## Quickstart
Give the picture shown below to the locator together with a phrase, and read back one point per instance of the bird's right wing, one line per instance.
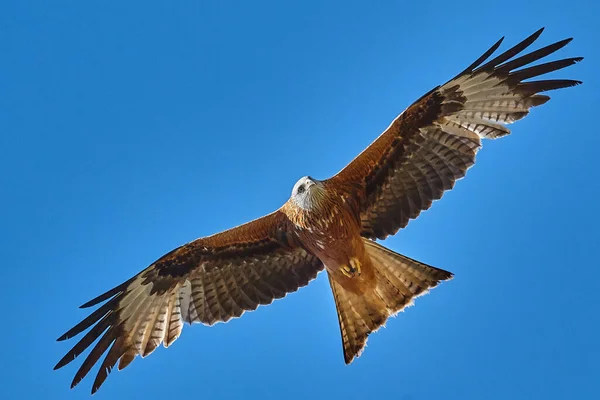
(209, 280)
(434, 141)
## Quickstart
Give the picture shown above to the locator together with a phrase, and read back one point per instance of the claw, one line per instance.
(346, 270)
(353, 269)
(355, 264)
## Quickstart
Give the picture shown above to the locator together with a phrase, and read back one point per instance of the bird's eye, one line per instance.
(301, 189)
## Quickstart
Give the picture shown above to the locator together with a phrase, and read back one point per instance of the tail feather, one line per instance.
(398, 280)
(357, 318)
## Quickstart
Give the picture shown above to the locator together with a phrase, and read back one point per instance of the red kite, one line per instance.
(330, 224)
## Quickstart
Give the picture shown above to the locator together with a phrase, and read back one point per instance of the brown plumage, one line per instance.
(329, 224)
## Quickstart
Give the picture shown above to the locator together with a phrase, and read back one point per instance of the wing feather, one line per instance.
(434, 141)
(209, 280)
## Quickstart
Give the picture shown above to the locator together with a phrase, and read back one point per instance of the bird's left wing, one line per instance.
(209, 280)
(435, 140)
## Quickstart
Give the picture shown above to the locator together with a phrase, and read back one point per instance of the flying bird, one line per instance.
(331, 224)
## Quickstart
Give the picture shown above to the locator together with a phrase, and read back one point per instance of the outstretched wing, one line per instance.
(433, 142)
(209, 280)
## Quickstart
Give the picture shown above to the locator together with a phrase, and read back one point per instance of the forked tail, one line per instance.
(399, 280)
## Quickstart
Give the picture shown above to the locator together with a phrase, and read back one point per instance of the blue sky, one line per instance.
(129, 129)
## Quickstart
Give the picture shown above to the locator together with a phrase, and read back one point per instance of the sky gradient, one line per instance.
(127, 130)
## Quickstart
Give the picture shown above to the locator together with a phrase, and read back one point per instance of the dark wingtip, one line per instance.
(76, 380)
(67, 358)
(107, 295)
(481, 59)
(562, 43)
(535, 35)
(61, 364)
(513, 51)
(63, 337)
(88, 304)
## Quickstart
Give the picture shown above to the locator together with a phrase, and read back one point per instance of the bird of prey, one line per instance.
(331, 224)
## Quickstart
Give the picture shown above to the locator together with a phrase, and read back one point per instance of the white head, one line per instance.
(307, 192)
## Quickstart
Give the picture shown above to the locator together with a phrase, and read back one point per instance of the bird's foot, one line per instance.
(352, 269)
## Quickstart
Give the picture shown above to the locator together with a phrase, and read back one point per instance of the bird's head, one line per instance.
(308, 193)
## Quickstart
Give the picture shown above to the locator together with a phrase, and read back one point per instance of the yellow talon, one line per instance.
(346, 271)
(353, 269)
(355, 264)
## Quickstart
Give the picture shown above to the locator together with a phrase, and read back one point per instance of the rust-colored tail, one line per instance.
(399, 279)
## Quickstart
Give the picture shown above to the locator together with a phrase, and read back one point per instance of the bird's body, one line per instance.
(331, 224)
(331, 231)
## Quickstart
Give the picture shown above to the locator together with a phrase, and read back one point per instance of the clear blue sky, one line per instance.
(127, 130)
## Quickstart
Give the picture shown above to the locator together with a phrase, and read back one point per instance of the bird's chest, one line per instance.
(331, 236)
